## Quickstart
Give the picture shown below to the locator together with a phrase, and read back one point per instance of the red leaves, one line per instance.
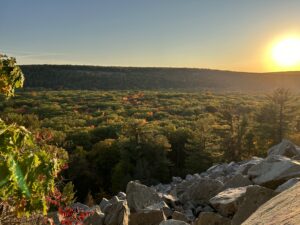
(73, 216)
(68, 215)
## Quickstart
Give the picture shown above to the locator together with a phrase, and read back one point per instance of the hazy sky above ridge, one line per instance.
(217, 34)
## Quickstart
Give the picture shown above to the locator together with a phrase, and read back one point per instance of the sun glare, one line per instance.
(286, 53)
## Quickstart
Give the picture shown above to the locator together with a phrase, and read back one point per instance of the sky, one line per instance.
(216, 34)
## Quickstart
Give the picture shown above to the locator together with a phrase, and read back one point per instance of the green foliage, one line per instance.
(68, 194)
(27, 169)
(11, 76)
(277, 118)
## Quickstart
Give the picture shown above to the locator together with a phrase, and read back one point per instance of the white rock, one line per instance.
(140, 196)
(274, 170)
(285, 148)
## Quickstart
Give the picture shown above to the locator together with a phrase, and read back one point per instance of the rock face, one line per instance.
(223, 195)
(254, 197)
(140, 196)
(211, 218)
(243, 169)
(237, 180)
(282, 209)
(285, 148)
(153, 217)
(274, 170)
(201, 191)
(117, 214)
(227, 202)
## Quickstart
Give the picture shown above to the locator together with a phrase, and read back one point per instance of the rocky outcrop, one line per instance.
(117, 214)
(222, 195)
(227, 202)
(254, 197)
(282, 209)
(140, 196)
(201, 191)
(152, 217)
(274, 170)
(285, 148)
(237, 180)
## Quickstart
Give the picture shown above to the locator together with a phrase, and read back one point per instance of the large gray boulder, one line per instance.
(245, 166)
(140, 196)
(254, 197)
(282, 209)
(285, 148)
(117, 214)
(201, 191)
(274, 170)
(228, 201)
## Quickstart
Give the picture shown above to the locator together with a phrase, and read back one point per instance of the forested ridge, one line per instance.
(116, 78)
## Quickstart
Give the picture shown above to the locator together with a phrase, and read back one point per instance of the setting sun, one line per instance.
(286, 53)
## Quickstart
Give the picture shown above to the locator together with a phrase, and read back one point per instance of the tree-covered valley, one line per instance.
(113, 137)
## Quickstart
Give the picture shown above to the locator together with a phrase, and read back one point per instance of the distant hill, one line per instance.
(113, 78)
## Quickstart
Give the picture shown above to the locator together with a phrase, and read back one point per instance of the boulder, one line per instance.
(201, 191)
(149, 217)
(207, 208)
(171, 200)
(117, 214)
(173, 222)
(211, 218)
(245, 166)
(236, 181)
(274, 170)
(157, 206)
(179, 216)
(80, 207)
(104, 202)
(140, 196)
(121, 195)
(254, 197)
(217, 170)
(227, 202)
(114, 200)
(290, 183)
(176, 179)
(282, 209)
(285, 148)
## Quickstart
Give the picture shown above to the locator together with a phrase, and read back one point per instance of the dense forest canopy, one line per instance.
(116, 78)
(116, 136)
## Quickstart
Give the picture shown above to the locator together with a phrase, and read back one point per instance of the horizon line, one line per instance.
(159, 67)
